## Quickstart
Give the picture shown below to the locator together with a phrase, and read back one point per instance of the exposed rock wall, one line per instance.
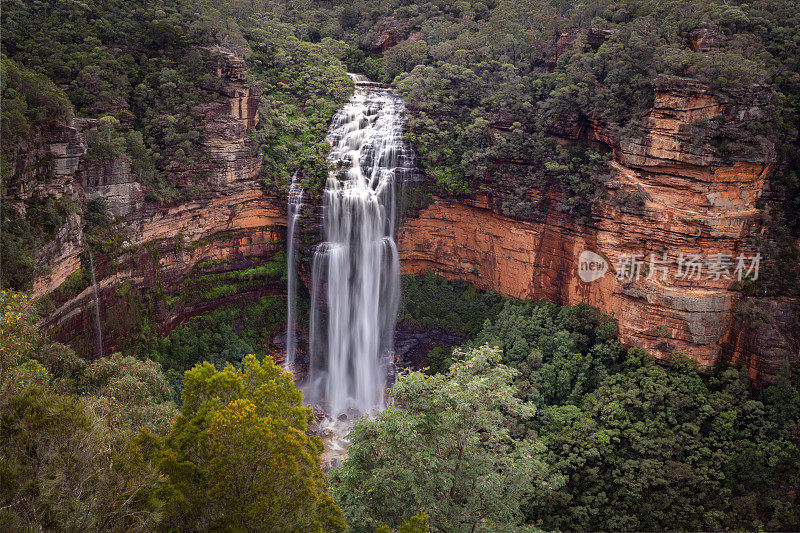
(159, 252)
(763, 335)
(694, 202)
(387, 33)
(695, 168)
(112, 181)
(169, 248)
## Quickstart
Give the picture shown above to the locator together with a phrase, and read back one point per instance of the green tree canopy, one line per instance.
(64, 462)
(446, 452)
(657, 448)
(238, 457)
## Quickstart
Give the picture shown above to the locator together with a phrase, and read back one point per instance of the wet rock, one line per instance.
(411, 346)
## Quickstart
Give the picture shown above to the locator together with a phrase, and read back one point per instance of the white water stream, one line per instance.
(295, 205)
(356, 283)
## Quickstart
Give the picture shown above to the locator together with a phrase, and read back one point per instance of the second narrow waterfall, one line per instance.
(294, 207)
(356, 283)
(98, 334)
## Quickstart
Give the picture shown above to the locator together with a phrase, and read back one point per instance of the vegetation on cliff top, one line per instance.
(146, 70)
(485, 80)
(486, 83)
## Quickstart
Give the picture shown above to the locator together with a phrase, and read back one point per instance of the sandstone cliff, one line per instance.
(696, 171)
(694, 200)
(160, 260)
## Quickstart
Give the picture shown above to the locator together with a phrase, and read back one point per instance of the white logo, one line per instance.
(591, 266)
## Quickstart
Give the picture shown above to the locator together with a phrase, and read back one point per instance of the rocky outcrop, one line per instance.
(111, 180)
(706, 38)
(693, 200)
(412, 345)
(565, 40)
(764, 336)
(45, 165)
(165, 252)
(227, 120)
(160, 255)
(388, 32)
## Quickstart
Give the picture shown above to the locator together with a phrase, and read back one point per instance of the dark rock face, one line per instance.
(411, 346)
(765, 335)
(706, 38)
(388, 32)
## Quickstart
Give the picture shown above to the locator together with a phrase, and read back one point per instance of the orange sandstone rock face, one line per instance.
(540, 260)
(234, 224)
(231, 231)
(694, 203)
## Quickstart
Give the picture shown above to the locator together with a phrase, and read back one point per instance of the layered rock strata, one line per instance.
(160, 255)
(688, 185)
(689, 200)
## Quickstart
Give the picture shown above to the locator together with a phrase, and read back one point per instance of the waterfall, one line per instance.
(294, 207)
(98, 337)
(355, 271)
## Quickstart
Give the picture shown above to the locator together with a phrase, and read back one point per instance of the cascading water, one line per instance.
(98, 336)
(294, 208)
(356, 289)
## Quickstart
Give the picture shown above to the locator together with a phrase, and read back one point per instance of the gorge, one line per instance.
(238, 223)
(490, 265)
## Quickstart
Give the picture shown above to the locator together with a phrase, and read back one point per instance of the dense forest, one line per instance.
(542, 418)
(538, 418)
